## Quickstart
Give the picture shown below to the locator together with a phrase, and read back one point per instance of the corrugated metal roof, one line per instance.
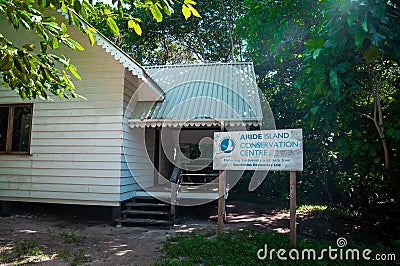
(201, 94)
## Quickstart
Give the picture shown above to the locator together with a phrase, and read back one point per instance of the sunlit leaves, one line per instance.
(155, 11)
(33, 73)
(112, 25)
(188, 9)
(73, 70)
(89, 33)
(133, 23)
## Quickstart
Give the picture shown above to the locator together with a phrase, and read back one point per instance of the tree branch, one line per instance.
(365, 115)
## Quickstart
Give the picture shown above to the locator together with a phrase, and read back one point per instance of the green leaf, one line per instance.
(372, 151)
(52, 27)
(316, 53)
(112, 25)
(390, 132)
(60, 60)
(166, 7)
(314, 110)
(20, 67)
(359, 37)
(54, 43)
(155, 11)
(89, 7)
(371, 54)
(49, 19)
(77, 6)
(190, 2)
(364, 22)
(64, 7)
(72, 68)
(63, 28)
(378, 39)
(56, 3)
(42, 4)
(89, 33)
(25, 19)
(333, 79)
(186, 11)
(76, 44)
(133, 24)
(350, 18)
(43, 46)
(120, 9)
(12, 17)
(29, 46)
(73, 20)
(6, 63)
(41, 32)
(313, 44)
(194, 11)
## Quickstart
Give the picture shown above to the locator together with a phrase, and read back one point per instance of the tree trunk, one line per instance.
(391, 179)
(378, 122)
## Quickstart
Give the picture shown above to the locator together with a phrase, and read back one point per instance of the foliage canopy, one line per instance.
(34, 72)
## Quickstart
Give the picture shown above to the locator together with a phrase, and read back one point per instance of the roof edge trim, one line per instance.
(120, 56)
(142, 123)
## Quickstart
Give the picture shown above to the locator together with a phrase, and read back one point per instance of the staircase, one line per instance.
(146, 210)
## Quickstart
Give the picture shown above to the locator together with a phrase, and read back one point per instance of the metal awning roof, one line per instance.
(201, 95)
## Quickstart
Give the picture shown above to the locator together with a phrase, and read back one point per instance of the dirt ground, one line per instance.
(68, 240)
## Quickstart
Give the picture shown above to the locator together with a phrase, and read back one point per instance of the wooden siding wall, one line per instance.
(76, 145)
(137, 169)
(129, 146)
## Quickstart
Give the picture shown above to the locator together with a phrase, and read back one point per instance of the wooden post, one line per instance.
(293, 208)
(221, 202)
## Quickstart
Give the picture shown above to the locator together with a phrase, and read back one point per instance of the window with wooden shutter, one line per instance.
(15, 128)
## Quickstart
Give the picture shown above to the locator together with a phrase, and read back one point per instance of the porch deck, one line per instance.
(204, 191)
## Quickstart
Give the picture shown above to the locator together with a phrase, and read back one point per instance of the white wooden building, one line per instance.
(102, 151)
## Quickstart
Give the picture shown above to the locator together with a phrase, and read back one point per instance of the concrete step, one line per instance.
(143, 221)
(146, 205)
(146, 212)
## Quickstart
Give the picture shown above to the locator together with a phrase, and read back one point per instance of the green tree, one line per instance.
(34, 72)
(275, 32)
(332, 67)
(213, 38)
(351, 66)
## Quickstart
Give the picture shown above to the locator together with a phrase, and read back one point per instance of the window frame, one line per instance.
(10, 128)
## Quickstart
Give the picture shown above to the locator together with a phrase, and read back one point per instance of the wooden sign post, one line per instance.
(221, 202)
(293, 208)
(263, 150)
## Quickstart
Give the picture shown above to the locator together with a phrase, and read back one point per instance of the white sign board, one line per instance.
(277, 150)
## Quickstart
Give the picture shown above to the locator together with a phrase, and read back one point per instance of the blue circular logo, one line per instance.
(227, 145)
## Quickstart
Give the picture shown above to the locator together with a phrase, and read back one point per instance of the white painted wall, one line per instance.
(134, 164)
(76, 145)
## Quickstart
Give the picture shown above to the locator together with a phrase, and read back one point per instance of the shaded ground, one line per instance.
(323, 225)
(68, 240)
